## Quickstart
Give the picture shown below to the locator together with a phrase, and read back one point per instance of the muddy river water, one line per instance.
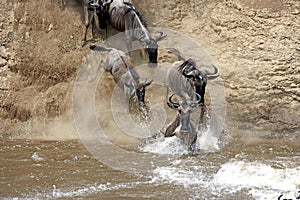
(66, 170)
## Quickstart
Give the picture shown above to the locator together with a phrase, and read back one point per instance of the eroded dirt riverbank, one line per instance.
(256, 46)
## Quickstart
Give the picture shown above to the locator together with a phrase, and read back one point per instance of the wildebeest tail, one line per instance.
(98, 48)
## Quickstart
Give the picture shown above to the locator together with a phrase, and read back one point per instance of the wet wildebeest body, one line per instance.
(89, 8)
(198, 78)
(182, 126)
(121, 68)
(124, 17)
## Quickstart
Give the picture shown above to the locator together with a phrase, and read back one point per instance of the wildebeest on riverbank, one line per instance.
(89, 12)
(124, 17)
(121, 68)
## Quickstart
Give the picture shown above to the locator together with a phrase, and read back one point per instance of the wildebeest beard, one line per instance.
(151, 49)
(140, 94)
(102, 15)
(139, 90)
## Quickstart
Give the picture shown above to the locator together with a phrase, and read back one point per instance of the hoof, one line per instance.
(152, 65)
(83, 43)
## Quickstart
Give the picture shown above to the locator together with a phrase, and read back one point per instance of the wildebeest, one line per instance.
(198, 78)
(182, 126)
(186, 131)
(89, 8)
(123, 16)
(121, 68)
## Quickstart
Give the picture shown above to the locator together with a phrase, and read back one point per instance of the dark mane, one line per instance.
(190, 63)
(124, 17)
(180, 85)
(132, 8)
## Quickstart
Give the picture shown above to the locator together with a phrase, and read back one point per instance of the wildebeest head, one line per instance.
(187, 131)
(151, 48)
(101, 8)
(139, 90)
(197, 77)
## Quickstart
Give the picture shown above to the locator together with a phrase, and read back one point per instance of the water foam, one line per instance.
(263, 181)
(171, 145)
(259, 180)
(35, 156)
(86, 190)
(255, 174)
(177, 176)
(207, 141)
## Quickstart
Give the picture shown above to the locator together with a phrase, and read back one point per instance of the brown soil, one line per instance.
(256, 45)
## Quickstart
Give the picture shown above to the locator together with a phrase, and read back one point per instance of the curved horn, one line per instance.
(107, 3)
(92, 4)
(171, 104)
(147, 83)
(195, 103)
(212, 75)
(199, 98)
(192, 73)
(160, 37)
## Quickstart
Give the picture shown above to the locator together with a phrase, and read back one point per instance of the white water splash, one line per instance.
(171, 145)
(263, 181)
(35, 156)
(254, 174)
(207, 141)
(260, 180)
(177, 176)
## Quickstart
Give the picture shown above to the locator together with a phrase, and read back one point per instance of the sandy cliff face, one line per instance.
(256, 46)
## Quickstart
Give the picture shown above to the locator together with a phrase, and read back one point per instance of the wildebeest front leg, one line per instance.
(170, 131)
(94, 27)
(202, 122)
(202, 110)
(128, 40)
(189, 139)
(63, 4)
(88, 17)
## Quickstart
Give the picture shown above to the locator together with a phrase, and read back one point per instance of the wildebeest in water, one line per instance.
(182, 126)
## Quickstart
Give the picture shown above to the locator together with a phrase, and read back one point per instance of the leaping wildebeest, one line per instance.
(124, 17)
(89, 8)
(121, 68)
(198, 78)
(182, 126)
